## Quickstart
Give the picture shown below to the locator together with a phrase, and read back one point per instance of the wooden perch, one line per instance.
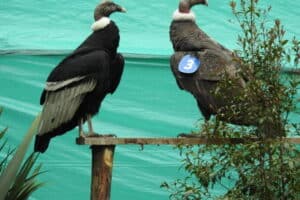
(103, 154)
(102, 141)
(293, 71)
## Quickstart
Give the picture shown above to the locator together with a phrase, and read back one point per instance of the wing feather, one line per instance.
(52, 86)
(60, 106)
(214, 65)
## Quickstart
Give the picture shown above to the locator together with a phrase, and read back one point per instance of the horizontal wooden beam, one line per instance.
(101, 141)
(293, 71)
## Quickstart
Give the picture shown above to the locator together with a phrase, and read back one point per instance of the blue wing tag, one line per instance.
(189, 64)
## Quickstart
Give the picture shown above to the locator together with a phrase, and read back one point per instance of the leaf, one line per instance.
(10, 172)
(284, 42)
(2, 133)
(25, 183)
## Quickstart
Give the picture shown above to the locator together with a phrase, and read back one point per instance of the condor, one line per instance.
(78, 84)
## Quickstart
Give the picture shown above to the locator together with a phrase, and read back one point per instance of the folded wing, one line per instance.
(68, 85)
(214, 66)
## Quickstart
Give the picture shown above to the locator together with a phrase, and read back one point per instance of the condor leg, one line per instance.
(90, 126)
(80, 129)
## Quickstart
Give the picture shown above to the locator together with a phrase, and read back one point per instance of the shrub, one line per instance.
(267, 168)
(22, 183)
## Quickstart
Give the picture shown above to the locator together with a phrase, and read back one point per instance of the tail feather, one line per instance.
(41, 143)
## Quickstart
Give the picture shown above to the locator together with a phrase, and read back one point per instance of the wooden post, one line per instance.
(102, 162)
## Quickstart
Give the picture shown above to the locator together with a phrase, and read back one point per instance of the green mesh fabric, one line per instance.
(36, 35)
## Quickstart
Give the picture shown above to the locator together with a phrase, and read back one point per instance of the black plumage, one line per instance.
(216, 61)
(79, 83)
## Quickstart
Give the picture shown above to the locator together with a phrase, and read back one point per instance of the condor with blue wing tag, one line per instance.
(189, 64)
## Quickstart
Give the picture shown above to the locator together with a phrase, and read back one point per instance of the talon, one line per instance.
(111, 135)
(82, 135)
(183, 135)
(80, 129)
(91, 135)
(190, 135)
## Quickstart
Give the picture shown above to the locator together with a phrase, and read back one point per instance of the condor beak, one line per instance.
(194, 2)
(122, 9)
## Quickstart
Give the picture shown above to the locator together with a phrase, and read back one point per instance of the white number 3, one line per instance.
(189, 64)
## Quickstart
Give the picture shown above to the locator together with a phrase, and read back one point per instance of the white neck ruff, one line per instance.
(100, 23)
(178, 16)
